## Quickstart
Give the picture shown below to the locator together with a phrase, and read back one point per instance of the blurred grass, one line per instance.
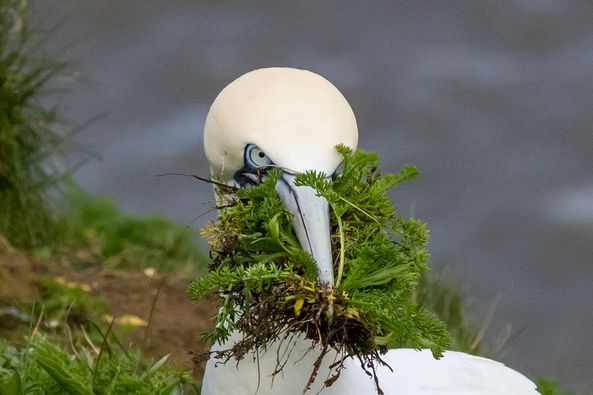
(105, 236)
(58, 304)
(550, 387)
(29, 132)
(31, 142)
(447, 303)
(43, 367)
(439, 295)
(31, 171)
(68, 303)
(69, 351)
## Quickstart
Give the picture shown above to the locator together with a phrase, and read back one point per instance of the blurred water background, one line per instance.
(493, 101)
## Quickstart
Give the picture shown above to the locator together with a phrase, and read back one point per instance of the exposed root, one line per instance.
(264, 323)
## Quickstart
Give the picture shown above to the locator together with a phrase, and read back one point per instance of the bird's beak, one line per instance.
(311, 224)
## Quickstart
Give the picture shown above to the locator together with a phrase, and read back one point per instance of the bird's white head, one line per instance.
(287, 118)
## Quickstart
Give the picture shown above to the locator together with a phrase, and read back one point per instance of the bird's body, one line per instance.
(292, 120)
(414, 373)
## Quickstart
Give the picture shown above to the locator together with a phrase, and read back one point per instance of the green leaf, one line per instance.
(71, 383)
(12, 386)
(156, 366)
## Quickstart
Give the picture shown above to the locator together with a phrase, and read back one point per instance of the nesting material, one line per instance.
(267, 284)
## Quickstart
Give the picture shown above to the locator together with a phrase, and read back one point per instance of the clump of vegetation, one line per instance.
(267, 283)
(43, 367)
(105, 236)
(29, 135)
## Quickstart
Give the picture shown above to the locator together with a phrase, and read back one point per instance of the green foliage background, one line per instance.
(29, 132)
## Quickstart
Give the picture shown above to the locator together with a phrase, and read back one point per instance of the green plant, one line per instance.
(266, 282)
(41, 366)
(29, 134)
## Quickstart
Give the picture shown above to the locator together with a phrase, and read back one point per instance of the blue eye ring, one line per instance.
(255, 158)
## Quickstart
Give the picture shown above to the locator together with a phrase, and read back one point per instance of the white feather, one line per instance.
(414, 373)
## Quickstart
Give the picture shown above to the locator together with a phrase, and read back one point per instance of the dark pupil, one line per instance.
(261, 154)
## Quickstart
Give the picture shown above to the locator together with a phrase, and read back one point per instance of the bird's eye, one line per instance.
(256, 158)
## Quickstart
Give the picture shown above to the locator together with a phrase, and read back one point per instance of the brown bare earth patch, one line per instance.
(176, 322)
(17, 275)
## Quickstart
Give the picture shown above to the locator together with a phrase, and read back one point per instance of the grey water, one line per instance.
(493, 101)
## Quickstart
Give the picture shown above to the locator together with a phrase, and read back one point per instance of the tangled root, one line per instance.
(264, 323)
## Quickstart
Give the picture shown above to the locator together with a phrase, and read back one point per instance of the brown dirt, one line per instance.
(17, 275)
(176, 323)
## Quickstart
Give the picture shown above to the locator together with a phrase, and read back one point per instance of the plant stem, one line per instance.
(342, 252)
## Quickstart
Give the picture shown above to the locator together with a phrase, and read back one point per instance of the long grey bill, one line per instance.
(311, 224)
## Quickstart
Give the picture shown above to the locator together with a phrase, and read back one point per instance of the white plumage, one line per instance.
(294, 119)
(414, 373)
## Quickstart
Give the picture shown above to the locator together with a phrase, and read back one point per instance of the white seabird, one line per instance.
(294, 119)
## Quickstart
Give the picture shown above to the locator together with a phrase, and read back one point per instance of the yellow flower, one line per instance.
(126, 319)
(298, 305)
(71, 284)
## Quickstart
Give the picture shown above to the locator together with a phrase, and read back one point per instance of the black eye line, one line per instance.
(339, 170)
(249, 176)
(245, 154)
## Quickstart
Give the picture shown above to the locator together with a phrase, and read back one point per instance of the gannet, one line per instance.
(293, 119)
